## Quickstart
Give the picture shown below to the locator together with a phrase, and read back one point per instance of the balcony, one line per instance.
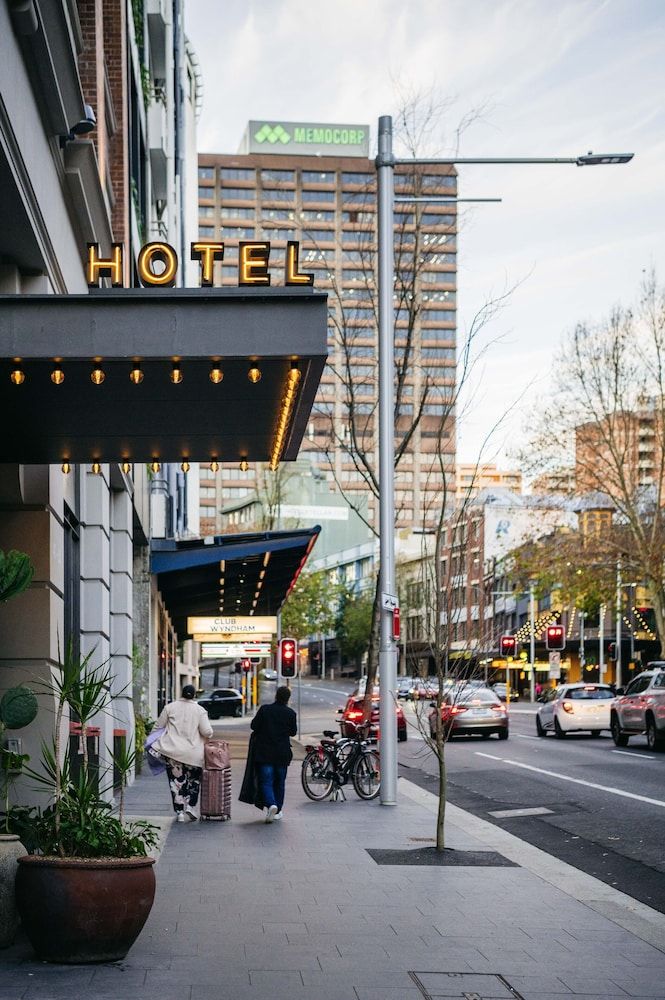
(158, 147)
(158, 17)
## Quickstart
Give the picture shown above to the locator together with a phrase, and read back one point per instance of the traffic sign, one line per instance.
(555, 665)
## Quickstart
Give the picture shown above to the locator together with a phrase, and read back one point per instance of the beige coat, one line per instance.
(187, 727)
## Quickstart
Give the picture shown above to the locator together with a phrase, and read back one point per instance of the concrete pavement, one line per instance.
(298, 909)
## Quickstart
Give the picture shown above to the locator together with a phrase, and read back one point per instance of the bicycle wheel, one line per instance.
(316, 775)
(367, 775)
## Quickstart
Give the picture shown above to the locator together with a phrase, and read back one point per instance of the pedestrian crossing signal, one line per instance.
(555, 637)
(287, 657)
(508, 645)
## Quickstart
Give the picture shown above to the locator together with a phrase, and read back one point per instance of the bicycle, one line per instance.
(329, 766)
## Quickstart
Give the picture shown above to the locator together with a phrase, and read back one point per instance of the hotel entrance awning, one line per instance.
(159, 416)
(258, 571)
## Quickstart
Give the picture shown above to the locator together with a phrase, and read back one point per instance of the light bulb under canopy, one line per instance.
(17, 376)
(185, 466)
(96, 468)
(216, 375)
(176, 374)
(136, 374)
(244, 465)
(126, 467)
(57, 375)
(214, 465)
(155, 466)
(254, 374)
(66, 468)
(97, 375)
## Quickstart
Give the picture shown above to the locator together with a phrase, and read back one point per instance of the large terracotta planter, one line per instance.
(11, 850)
(81, 910)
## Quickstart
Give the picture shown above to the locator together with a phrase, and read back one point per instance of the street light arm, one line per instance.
(587, 160)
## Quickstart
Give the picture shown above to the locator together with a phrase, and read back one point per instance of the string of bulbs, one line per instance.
(136, 375)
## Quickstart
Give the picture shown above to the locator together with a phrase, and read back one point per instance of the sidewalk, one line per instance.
(299, 910)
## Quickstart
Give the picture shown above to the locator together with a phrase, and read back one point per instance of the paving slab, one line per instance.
(300, 910)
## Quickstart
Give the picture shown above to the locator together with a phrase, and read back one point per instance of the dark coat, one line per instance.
(250, 790)
(272, 725)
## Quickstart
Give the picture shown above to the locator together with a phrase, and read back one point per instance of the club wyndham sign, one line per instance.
(307, 138)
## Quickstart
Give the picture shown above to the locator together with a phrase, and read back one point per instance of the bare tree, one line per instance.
(606, 418)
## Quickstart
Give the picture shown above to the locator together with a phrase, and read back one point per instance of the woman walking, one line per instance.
(272, 726)
(187, 727)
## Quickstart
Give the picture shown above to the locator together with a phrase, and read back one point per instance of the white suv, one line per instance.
(641, 709)
(574, 708)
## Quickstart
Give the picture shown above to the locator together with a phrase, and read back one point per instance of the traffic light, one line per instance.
(612, 651)
(288, 649)
(555, 637)
(508, 645)
(246, 666)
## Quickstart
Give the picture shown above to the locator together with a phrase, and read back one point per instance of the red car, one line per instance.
(352, 713)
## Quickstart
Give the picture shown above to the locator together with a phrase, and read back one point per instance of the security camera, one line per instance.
(82, 127)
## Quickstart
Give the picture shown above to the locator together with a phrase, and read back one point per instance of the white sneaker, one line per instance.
(191, 817)
(271, 812)
(180, 817)
(279, 815)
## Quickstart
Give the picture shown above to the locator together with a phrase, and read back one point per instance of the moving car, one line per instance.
(575, 708)
(352, 714)
(224, 701)
(403, 689)
(471, 711)
(501, 690)
(424, 687)
(269, 674)
(641, 709)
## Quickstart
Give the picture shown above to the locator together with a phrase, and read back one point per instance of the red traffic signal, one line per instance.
(246, 666)
(612, 651)
(508, 645)
(555, 637)
(288, 649)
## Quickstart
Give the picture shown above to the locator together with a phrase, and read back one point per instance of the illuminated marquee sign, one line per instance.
(308, 138)
(253, 264)
(233, 625)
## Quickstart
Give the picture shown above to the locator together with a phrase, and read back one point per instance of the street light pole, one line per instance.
(385, 169)
(617, 672)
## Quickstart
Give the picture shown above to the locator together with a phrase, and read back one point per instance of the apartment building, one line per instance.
(633, 443)
(316, 184)
(472, 478)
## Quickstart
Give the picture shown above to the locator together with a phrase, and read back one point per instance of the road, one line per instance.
(601, 809)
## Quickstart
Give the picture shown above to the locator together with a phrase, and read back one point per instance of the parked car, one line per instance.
(471, 711)
(225, 701)
(501, 690)
(352, 713)
(641, 708)
(575, 708)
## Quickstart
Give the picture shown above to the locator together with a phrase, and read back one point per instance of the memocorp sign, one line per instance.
(307, 138)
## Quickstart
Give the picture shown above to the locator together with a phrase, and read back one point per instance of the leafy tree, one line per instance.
(354, 625)
(311, 607)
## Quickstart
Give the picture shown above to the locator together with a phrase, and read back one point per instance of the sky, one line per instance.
(549, 79)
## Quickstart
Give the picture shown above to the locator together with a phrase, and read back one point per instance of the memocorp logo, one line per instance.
(272, 133)
(307, 138)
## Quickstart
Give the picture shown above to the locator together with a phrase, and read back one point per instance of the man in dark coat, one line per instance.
(272, 726)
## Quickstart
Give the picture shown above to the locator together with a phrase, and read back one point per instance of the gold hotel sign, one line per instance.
(253, 264)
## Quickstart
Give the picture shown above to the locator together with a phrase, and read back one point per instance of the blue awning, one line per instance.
(189, 573)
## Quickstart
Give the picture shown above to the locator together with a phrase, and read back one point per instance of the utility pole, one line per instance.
(601, 644)
(617, 673)
(532, 640)
(385, 170)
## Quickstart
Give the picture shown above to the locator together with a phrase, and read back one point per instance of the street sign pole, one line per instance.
(385, 169)
(532, 641)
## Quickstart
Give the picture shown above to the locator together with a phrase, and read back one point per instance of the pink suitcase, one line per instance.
(216, 793)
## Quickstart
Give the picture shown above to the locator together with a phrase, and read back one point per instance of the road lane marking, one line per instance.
(490, 755)
(631, 753)
(507, 813)
(579, 781)
(523, 736)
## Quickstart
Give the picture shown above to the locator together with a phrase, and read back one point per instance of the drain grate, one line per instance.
(429, 856)
(465, 985)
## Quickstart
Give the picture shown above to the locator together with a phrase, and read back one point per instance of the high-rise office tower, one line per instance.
(316, 184)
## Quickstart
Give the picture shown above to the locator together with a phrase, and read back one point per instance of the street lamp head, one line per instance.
(597, 159)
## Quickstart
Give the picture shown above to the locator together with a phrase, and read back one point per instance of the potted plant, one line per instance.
(86, 892)
(18, 708)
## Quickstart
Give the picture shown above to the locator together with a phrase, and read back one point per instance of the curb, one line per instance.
(641, 920)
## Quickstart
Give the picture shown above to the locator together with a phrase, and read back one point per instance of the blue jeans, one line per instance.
(272, 778)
